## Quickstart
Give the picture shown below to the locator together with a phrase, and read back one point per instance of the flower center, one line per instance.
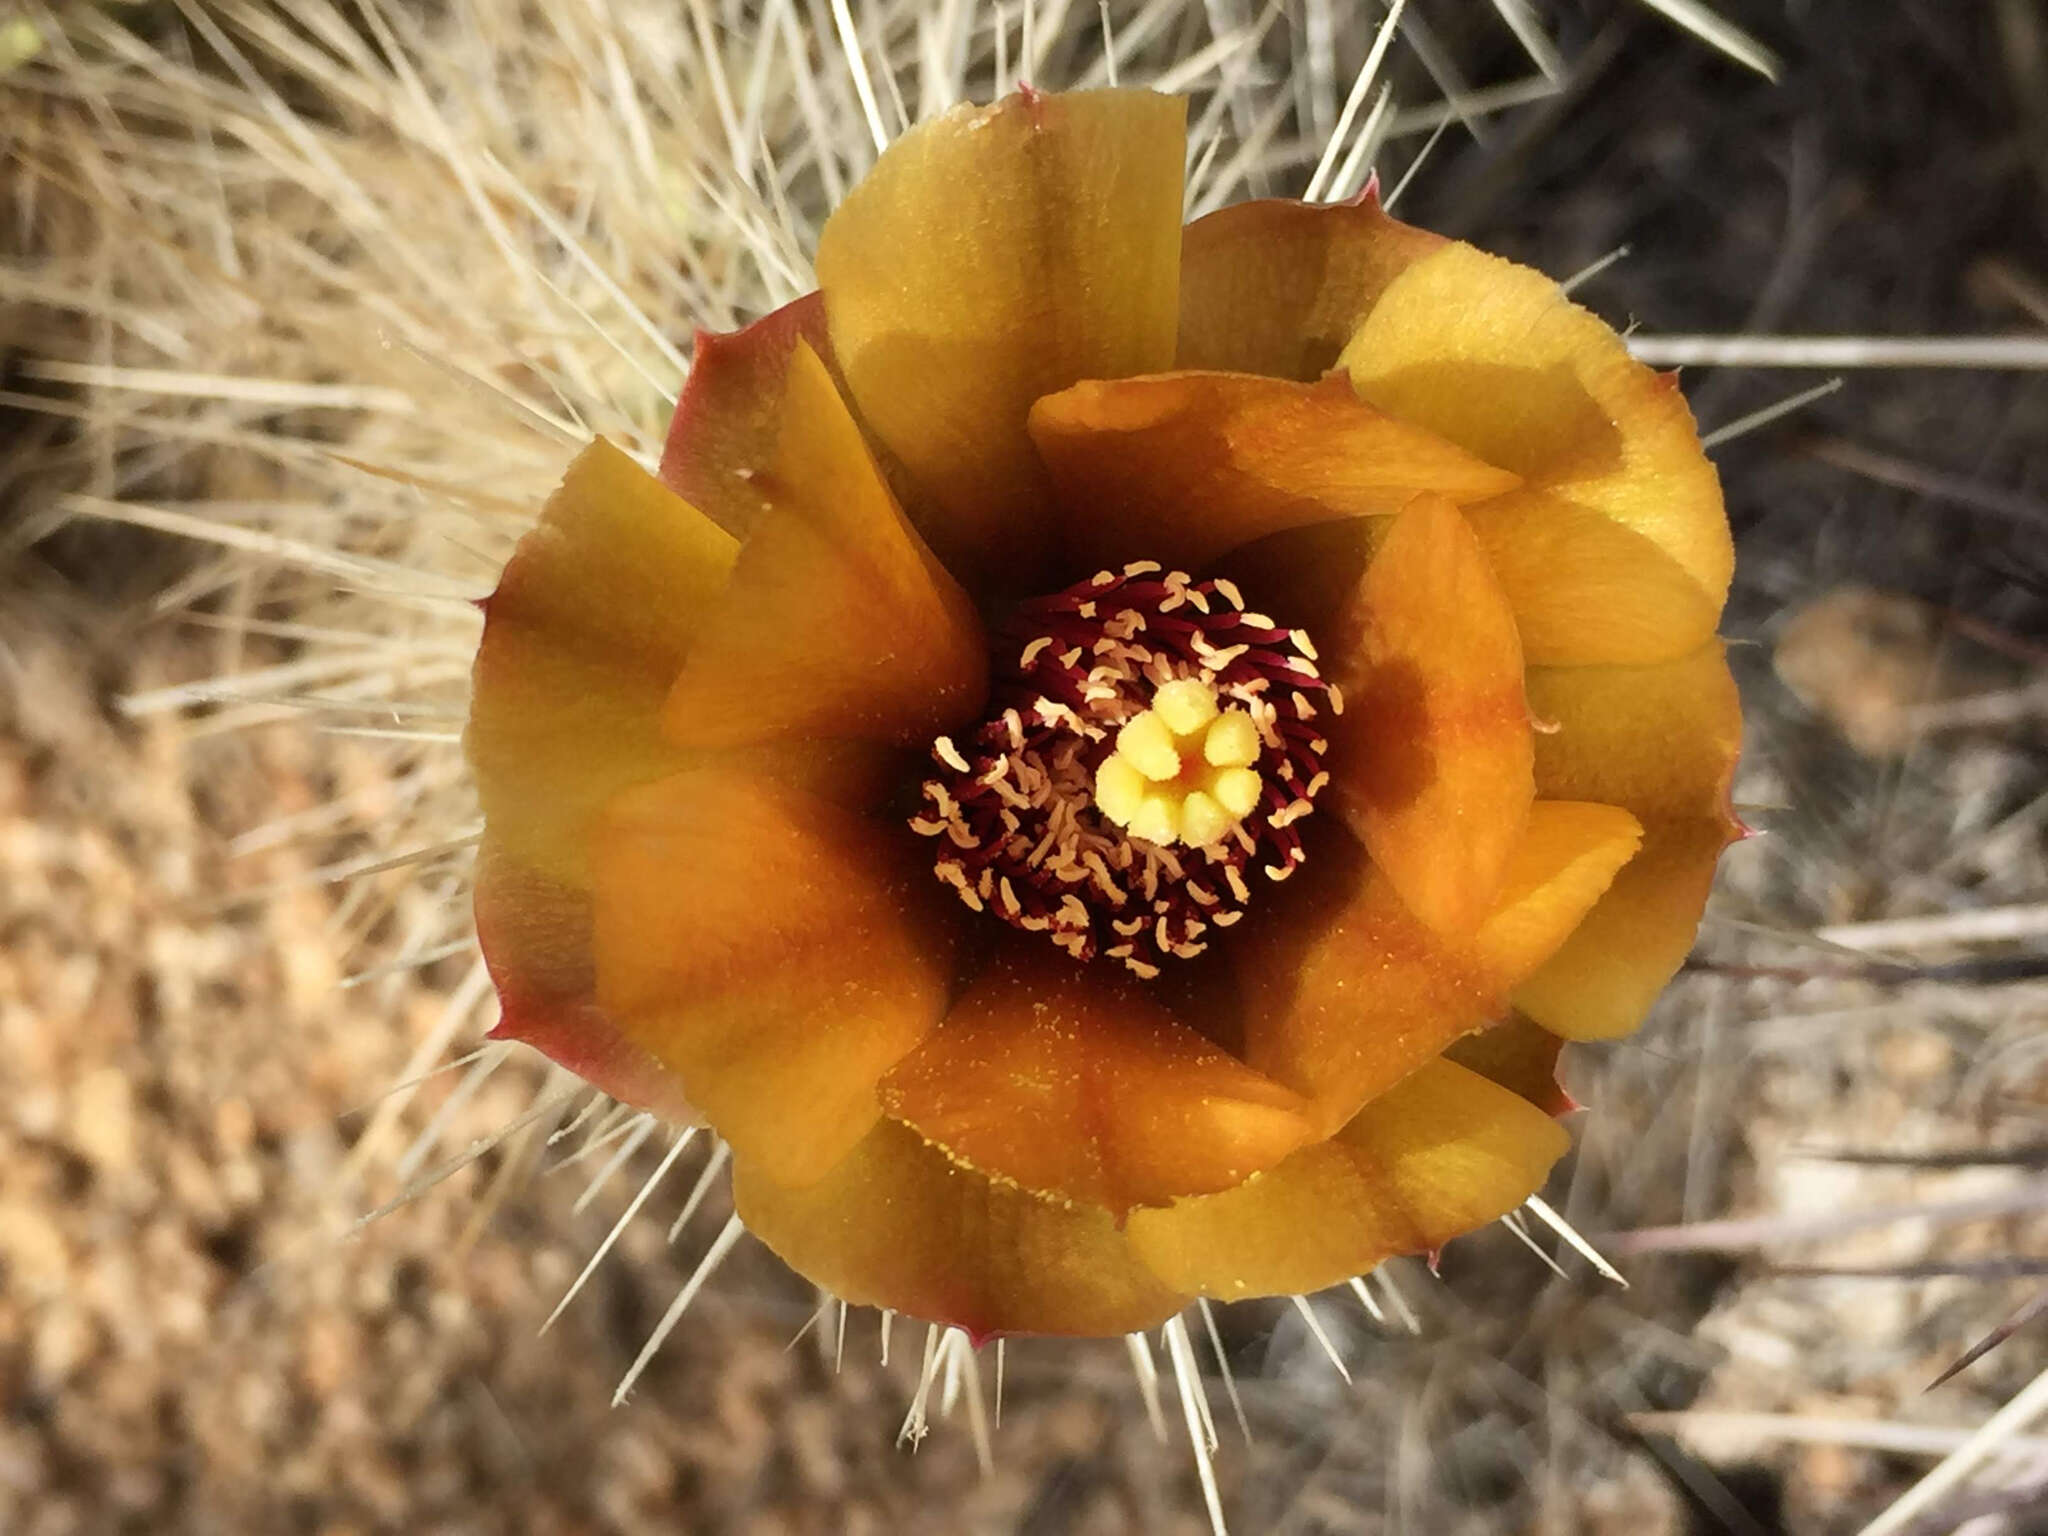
(1181, 771)
(1153, 745)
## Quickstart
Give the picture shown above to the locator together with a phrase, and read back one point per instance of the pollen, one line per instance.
(1182, 770)
(1151, 746)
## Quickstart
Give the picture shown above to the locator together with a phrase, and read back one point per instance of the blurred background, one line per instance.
(300, 305)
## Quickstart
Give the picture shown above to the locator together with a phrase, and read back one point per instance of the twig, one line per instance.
(1808, 1429)
(1985, 925)
(1996, 1434)
(2027, 352)
(1746, 1234)
(1904, 474)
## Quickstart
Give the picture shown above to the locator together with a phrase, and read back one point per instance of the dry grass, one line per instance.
(330, 293)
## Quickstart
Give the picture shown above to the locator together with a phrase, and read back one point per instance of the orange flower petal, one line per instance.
(1662, 741)
(897, 1225)
(994, 255)
(535, 934)
(772, 950)
(1313, 571)
(1521, 1056)
(1565, 860)
(1277, 287)
(1344, 992)
(723, 434)
(837, 620)
(1494, 357)
(1603, 980)
(1181, 467)
(1441, 1153)
(581, 639)
(1430, 760)
(1075, 1082)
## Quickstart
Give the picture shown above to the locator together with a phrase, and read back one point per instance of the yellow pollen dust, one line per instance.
(1181, 772)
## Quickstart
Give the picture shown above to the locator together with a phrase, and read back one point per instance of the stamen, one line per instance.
(1151, 744)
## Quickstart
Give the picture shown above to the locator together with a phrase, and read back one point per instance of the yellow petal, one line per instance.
(722, 436)
(581, 641)
(1661, 740)
(1430, 760)
(772, 950)
(1075, 1082)
(1604, 978)
(1586, 586)
(535, 934)
(1441, 1153)
(1564, 862)
(1181, 467)
(1277, 287)
(1494, 357)
(994, 255)
(897, 1225)
(837, 620)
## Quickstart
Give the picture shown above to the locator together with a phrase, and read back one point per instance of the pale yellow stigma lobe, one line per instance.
(1181, 772)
